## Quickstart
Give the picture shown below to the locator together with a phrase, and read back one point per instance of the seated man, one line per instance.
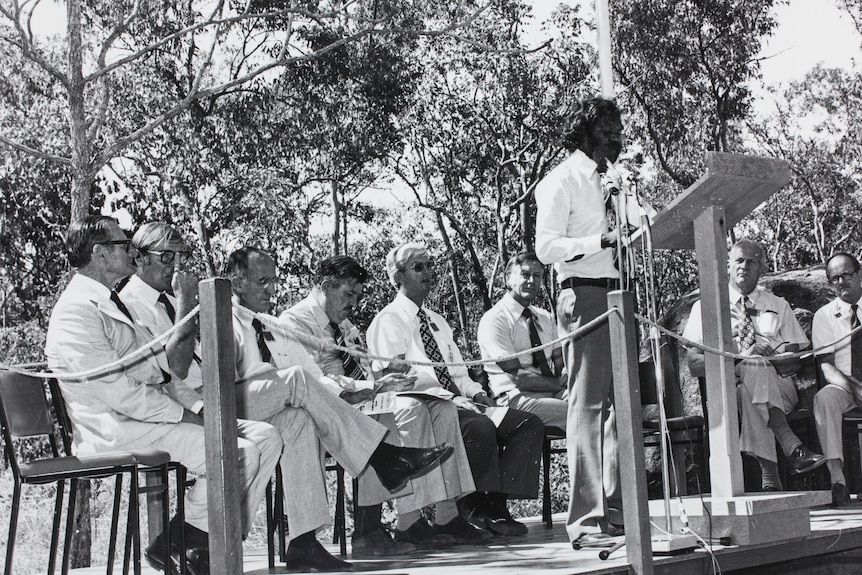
(278, 382)
(530, 382)
(840, 363)
(420, 423)
(127, 407)
(762, 324)
(504, 458)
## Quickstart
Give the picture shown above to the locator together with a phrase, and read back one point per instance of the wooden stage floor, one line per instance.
(835, 534)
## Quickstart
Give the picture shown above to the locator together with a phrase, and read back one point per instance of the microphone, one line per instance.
(610, 180)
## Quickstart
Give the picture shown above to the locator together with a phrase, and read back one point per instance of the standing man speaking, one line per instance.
(573, 233)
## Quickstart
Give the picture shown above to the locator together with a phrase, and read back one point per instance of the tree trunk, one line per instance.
(453, 269)
(81, 181)
(528, 226)
(82, 542)
(82, 174)
(336, 215)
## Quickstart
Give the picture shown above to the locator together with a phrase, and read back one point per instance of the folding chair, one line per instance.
(24, 414)
(153, 463)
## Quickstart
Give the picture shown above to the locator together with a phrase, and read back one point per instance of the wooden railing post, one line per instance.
(627, 403)
(219, 373)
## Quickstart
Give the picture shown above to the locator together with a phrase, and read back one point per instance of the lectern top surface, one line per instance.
(738, 182)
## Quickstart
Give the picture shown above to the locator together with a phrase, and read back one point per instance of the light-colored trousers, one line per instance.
(308, 417)
(259, 447)
(552, 408)
(426, 423)
(830, 405)
(759, 389)
(591, 442)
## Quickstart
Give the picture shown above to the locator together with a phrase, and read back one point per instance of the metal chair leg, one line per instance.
(13, 528)
(115, 512)
(70, 523)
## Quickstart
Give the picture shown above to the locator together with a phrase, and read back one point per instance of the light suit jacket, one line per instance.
(112, 409)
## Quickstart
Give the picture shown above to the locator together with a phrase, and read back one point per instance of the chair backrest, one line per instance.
(24, 414)
(23, 407)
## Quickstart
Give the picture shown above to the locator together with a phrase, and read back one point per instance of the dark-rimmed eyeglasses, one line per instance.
(168, 256)
(835, 280)
(125, 242)
(420, 267)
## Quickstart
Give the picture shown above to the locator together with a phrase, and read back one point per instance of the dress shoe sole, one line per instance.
(423, 470)
(808, 468)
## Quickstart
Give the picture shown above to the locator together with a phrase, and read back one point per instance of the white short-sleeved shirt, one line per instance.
(503, 331)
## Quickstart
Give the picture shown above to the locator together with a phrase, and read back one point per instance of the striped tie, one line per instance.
(352, 369)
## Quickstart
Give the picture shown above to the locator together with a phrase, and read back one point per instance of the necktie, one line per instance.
(165, 301)
(433, 353)
(855, 344)
(115, 297)
(265, 354)
(539, 358)
(172, 315)
(746, 327)
(351, 368)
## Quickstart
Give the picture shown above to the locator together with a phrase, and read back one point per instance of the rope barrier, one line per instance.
(109, 367)
(274, 323)
(689, 343)
(357, 352)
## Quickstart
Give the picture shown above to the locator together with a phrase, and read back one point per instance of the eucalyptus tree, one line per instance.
(817, 128)
(481, 131)
(217, 46)
(685, 69)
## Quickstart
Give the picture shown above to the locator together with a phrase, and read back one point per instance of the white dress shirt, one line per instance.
(831, 323)
(571, 218)
(504, 331)
(394, 332)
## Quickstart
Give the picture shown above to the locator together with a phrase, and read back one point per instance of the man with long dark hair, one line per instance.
(574, 234)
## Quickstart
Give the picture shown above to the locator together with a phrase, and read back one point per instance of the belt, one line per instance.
(607, 283)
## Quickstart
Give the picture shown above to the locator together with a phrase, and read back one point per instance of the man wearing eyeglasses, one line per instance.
(763, 326)
(324, 315)
(503, 453)
(278, 382)
(839, 358)
(128, 407)
(161, 293)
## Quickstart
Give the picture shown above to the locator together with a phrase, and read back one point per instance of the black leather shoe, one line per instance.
(378, 543)
(463, 532)
(314, 558)
(424, 536)
(804, 460)
(840, 495)
(409, 463)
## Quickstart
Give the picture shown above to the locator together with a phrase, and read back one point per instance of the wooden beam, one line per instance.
(224, 498)
(725, 462)
(627, 402)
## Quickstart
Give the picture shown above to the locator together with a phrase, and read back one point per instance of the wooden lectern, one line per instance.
(699, 218)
